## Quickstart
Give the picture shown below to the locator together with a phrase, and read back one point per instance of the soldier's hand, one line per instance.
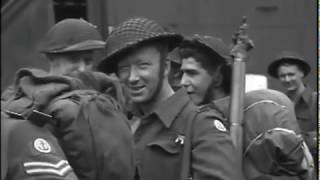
(241, 41)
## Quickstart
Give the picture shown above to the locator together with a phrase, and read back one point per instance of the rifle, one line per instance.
(239, 53)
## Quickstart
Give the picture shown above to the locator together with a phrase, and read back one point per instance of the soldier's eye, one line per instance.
(122, 69)
(143, 65)
(88, 60)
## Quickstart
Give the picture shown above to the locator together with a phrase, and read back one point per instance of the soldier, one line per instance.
(31, 152)
(205, 59)
(290, 69)
(69, 47)
(175, 71)
(206, 72)
(72, 103)
(171, 131)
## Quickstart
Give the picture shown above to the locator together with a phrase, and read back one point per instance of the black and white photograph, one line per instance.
(159, 90)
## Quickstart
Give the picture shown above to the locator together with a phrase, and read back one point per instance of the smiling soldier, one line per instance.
(174, 139)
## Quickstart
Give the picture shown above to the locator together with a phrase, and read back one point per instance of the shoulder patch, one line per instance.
(218, 124)
(42, 145)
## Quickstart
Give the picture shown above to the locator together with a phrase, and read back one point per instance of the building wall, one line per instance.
(23, 24)
(275, 25)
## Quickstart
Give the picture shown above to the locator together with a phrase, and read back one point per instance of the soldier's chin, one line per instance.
(195, 99)
(138, 99)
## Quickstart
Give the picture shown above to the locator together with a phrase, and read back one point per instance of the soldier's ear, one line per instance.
(167, 67)
(217, 77)
(300, 73)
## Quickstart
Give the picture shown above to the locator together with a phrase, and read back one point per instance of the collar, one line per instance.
(168, 110)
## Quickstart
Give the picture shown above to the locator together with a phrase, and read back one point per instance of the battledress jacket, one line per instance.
(29, 152)
(159, 141)
(306, 112)
(109, 155)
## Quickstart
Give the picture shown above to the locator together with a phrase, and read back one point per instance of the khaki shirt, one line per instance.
(306, 110)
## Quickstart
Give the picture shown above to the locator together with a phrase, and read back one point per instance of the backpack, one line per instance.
(32, 91)
(273, 148)
(282, 152)
(96, 139)
(90, 125)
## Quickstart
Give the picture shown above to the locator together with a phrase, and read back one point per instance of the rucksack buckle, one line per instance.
(14, 115)
(40, 118)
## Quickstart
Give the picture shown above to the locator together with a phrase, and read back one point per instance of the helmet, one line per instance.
(71, 35)
(290, 58)
(131, 33)
(209, 43)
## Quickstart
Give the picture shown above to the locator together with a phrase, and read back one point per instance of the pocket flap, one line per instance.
(166, 143)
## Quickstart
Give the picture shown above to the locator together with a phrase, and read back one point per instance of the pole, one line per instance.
(237, 96)
(242, 45)
(98, 15)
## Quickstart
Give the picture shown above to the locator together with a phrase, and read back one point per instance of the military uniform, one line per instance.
(305, 103)
(163, 135)
(29, 152)
(160, 139)
(62, 98)
(306, 112)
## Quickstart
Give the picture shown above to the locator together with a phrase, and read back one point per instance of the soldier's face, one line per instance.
(175, 76)
(290, 77)
(139, 73)
(195, 79)
(81, 61)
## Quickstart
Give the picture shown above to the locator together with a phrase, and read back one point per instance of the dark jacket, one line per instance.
(159, 147)
(29, 152)
(306, 110)
(94, 136)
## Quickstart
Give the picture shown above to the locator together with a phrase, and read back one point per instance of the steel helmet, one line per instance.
(290, 58)
(209, 43)
(131, 33)
(71, 35)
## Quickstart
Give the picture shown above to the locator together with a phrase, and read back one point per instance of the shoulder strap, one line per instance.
(186, 158)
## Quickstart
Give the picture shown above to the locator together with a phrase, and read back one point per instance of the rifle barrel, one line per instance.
(237, 99)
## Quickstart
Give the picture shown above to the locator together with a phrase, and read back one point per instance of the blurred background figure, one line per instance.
(68, 47)
(291, 69)
(175, 71)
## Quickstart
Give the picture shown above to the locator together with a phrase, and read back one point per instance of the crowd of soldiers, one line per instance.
(170, 113)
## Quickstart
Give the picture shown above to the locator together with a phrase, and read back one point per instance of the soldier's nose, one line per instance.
(287, 78)
(184, 81)
(82, 66)
(133, 75)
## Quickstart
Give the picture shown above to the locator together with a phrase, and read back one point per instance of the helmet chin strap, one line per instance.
(208, 96)
(214, 84)
(160, 82)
